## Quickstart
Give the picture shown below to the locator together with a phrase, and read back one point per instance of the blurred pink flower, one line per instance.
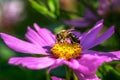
(56, 78)
(84, 21)
(11, 12)
(105, 7)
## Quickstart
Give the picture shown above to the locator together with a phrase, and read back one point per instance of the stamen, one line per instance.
(66, 50)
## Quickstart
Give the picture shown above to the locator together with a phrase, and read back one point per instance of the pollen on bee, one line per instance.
(66, 50)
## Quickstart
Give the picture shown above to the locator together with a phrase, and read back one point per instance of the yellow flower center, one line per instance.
(66, 50)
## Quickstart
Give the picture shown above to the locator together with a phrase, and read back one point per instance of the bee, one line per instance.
(65, 35)
(62, 35)
(73, 38)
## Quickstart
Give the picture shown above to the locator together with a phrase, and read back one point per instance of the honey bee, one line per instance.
(67, 35)
(73, 38)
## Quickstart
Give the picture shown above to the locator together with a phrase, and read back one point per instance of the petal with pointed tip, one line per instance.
(33, 63)
(21, 46)
(91, 35)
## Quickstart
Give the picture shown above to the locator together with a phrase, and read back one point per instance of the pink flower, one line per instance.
(83, 61)
(56, 78)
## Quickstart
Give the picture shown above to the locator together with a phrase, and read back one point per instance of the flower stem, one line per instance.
(75, 77)
(47, 75)
(68, 73)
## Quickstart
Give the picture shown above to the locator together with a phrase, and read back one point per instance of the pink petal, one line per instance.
(90, 63)
(90, 15)
(92, 60)
(83, 22)
(77, 66)
(105, 56)
(21, 46)
(45, 34)
(84, 77)
(56, 78)
(34, 37)
(107, 34)
(115, 55)
(72, 63)
(57, 63)
(80, 22)
(32, 62)
(89, 37)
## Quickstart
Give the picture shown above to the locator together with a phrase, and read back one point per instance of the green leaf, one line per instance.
(53, 6)
(107, 72)
(59, 72)
(5, 52)
(40, 7)
(59, 28)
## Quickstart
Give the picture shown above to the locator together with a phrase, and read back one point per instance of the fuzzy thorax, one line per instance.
(66, 50)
